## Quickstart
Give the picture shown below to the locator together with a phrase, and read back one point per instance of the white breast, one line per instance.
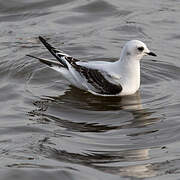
(130, 76)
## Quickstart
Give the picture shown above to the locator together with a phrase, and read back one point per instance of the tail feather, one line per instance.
(55, 52)
(48, 62)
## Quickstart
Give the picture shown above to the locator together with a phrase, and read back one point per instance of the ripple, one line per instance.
(99, 7)
(105, 132)
(13, 6)
(51, 130)
(159, 71)
(21, 17)
(92, 12)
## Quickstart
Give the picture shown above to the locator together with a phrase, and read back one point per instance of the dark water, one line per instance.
(51, 130)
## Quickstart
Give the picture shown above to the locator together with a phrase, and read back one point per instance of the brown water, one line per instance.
(51, 130)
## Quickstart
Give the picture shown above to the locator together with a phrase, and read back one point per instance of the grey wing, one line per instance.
(96, 79)
(93, 76)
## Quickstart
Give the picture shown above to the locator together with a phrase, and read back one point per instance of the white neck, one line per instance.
(129, 69)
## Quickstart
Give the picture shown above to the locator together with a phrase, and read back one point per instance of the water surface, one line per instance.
(51, 130)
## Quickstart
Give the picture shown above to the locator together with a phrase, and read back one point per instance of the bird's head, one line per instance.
(136, 49)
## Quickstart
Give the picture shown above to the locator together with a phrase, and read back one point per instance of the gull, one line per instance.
(103, 78)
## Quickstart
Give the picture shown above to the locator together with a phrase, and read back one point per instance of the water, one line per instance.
(51, 130)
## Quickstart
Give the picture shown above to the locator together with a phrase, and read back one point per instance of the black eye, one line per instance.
(141, 48)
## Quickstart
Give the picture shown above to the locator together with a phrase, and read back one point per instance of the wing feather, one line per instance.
(96, 79)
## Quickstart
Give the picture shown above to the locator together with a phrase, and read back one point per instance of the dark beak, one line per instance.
(151, 54)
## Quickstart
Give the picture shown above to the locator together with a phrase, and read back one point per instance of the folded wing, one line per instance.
(96, 79)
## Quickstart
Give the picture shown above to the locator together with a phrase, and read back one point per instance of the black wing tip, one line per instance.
(52, 50)
(49, 63)
(43, 40)
(46, 44)
(30, 56)
(33, 57)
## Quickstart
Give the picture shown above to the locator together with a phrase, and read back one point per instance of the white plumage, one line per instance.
(118, 78)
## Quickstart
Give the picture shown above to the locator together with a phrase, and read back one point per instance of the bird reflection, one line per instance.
(74, 109)
(76, 103)
(113, 163)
